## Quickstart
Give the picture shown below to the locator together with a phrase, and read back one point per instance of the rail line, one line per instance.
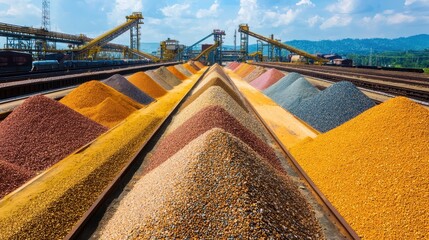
(89, 222)
(33, 86)
(412, 92)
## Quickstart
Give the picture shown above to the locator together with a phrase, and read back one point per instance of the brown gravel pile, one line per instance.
(167, 76)
(42, 131)
(215, 188)
(206, 84)
(254, 74)
(152, 74)
(12, 176)
(202, 121)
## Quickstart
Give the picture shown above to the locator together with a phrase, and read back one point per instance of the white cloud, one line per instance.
(305, 2)
(314, 20)
(123, 8)
(175, 10)
(399, 18)
(390, 18)
(277, 19)
(343, 6)
(336, 21)
(20, 8)
(248, 12)
(410, 2)
(212, 11)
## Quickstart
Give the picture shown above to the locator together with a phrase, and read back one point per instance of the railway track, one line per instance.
(414, 89)
(89, 222)
(13, 89)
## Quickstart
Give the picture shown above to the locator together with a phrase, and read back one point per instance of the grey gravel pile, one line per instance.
(183, 70)
(167, 76)
(334, 106)
(152, 74)
(121, 84)
(282, 84)
(290, 97)
(216, 187)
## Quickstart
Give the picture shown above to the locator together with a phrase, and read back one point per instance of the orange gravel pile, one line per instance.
(374, 169)
(176, 73)
(147, 84)
(101, 103)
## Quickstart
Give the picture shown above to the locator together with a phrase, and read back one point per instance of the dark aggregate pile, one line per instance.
(334, 106)
(41, 131)
(206, 119)
(11, 177)
(290, 97)
(225, 191)
(283, 83)
(122, 85)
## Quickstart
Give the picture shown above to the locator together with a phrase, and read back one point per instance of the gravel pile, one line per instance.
(219, 95)
(167, 76)
(159, 80)
(176, 73)
(334, 106)
(290, 97)
(101, 103)
(199, 64)
(189, 68)
(41, 131)
(254, 74)
(195, 66)
(233, 65)
(215, 188)
(12, 176)
(123, 86)
(146, 84)
(183, 70)
(374, 169)
(202, 121)
(245, 70)
(281, 84)
(267, 79)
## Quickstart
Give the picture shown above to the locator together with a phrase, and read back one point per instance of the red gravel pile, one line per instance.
(42, 131)
(215, 188)
(207, 119)
(11, 177)
(233, 65)
(267, 79)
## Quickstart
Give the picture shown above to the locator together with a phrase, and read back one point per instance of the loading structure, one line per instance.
(244, 45)
(214, 55)
(206, 52)
(90, 49)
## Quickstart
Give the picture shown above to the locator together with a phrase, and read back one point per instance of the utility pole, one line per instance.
(235, 39)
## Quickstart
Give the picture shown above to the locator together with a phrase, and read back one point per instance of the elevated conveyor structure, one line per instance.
(207, 51)
(143, 55)
(188, 51)
(90, 49)
(244, 28)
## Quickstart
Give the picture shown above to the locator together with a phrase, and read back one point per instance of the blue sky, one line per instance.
(190, 20)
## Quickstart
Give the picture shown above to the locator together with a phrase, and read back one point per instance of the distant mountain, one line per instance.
(343, 46)
(358, 46)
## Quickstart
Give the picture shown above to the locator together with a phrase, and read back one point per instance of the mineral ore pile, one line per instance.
(216, 153)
